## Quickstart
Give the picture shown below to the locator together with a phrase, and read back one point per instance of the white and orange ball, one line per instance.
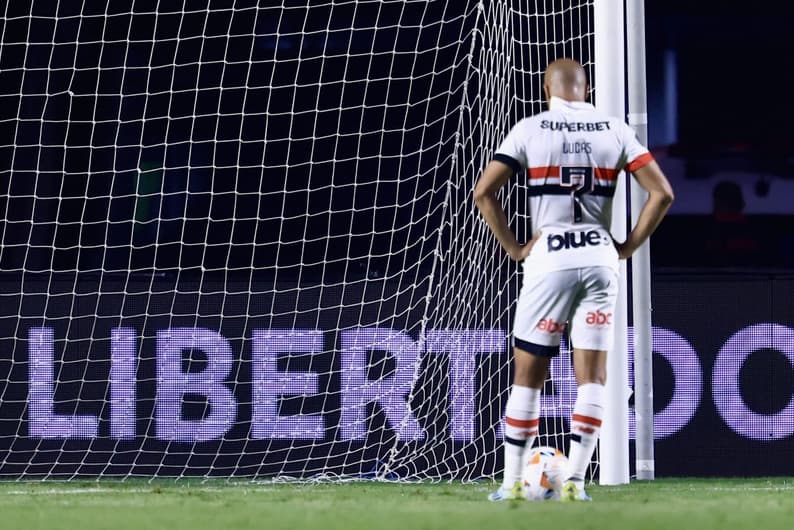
(543, 475)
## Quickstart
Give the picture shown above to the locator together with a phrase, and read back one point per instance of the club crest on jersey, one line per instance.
(568, 240)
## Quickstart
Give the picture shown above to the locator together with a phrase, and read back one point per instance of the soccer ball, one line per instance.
(544, 474)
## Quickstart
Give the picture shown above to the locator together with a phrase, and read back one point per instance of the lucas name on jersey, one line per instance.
(577, 147)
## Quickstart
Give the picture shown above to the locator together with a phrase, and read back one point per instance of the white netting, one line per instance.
(238, 240)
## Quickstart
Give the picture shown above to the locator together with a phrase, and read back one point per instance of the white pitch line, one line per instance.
(789, 487)
(785, 487)
(76, 491)
(266, 489)
(87, 491)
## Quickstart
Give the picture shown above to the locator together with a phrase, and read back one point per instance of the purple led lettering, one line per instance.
(122, 383)
(687, 382)
(173, 384)
(358, 391)
(270, 384)
(463, 346)
(43, 422)
(725, 382)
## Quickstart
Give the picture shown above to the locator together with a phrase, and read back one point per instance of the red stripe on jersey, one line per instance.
(543, 172)
(602, 173)
(605, 173)
(640, 161)
(587, 419)
(522, 424)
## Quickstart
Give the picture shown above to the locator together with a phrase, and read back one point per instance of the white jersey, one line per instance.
(572, 155)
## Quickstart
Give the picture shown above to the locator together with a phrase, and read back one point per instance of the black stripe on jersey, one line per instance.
(509, 161)
(556, 189)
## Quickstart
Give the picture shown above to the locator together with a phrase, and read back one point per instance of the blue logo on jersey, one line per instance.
(568, 240)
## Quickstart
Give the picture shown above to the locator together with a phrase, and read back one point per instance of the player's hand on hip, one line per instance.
(624, 251)
(525, 249)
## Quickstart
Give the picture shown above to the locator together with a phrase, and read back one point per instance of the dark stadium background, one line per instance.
(732, 114)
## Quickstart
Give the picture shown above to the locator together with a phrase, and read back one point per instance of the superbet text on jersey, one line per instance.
(571, 156)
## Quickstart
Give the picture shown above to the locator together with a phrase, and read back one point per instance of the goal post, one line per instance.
(641, 260)
(610, 97)
(620, 91)
(239, 240)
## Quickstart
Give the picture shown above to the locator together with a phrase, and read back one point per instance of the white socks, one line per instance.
(585, 428)
(521, 429)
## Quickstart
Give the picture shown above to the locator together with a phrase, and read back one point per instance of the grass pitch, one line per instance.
(766, 504)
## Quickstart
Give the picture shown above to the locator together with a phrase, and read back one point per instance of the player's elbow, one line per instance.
(480, 195)
(667, 197)
(663, 196)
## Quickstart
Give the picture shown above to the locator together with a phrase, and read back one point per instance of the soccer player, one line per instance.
(569, 158)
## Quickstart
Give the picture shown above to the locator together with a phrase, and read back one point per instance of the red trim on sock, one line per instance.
(587, 419)
(522, 424)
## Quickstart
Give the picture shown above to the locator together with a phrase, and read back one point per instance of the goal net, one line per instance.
(239, 240)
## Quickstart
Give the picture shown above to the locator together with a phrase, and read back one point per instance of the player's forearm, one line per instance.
(494, 215)
(651, 215)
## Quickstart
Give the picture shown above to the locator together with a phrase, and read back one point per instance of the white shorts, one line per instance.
(552, 302)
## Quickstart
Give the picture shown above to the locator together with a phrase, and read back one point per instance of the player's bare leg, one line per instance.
(521, 418)
(591, 375)
(529, 370)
